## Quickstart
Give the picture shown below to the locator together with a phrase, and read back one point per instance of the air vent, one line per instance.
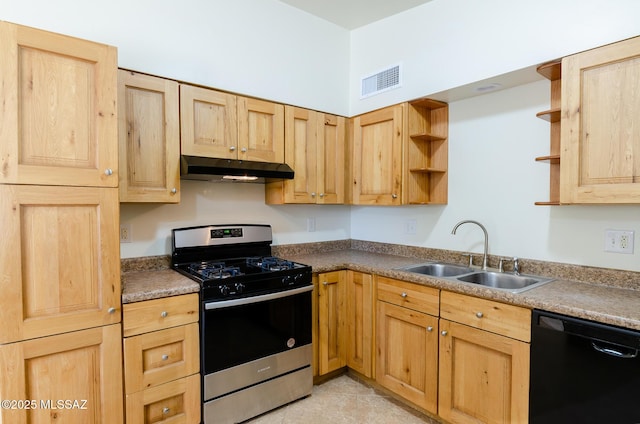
(380, 82)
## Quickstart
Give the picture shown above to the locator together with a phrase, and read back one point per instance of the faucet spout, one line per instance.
(486, 239)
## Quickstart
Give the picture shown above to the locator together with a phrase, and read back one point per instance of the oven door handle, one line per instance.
(255, 299)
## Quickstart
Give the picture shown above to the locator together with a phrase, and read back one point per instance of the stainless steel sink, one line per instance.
(514, 283)
(500, 280)
(437, 269)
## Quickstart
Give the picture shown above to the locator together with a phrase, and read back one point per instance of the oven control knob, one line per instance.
(224, 290)
(286, 280)
(298, 277)
(239, 288)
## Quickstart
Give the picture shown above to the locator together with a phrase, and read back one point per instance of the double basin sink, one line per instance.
(514, 283)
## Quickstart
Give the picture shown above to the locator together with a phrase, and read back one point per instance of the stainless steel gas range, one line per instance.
(255, 320)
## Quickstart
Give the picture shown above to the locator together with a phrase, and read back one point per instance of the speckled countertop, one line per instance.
(613, 299)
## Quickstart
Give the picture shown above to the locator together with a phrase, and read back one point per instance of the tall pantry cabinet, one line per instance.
(60, 309)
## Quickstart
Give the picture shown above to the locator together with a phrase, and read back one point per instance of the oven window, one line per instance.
(235, 335)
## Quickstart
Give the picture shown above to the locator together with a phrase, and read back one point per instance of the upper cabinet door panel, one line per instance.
(301, 132)
(149, 138)
(377, 157)
(260, 130)
(58, 124)
(331, 157)
(208, 123)
(600, 152)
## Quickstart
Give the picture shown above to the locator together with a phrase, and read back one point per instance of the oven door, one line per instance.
(251, 339)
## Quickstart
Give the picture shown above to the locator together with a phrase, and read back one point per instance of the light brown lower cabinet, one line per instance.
(331, 321)
(359, 305)
(161, 361)
(484, 375)
(407, 341)
(72, 378)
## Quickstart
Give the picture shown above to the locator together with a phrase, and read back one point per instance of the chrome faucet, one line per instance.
(486, 239)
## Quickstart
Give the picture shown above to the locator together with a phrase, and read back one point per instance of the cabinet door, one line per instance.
(301, 142)
(600, 138)
(58, 124)
(62, 272)
(83, 368)
(260, 130)
(331, 319)
(359, 322)
(484, 377)
(149, 138)
(331, 160)
(377, 157)
(407, 349)
(208, 123)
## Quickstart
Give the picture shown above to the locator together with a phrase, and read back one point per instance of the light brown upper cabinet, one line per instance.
(149, 138)
(220, 125)
(600, 137)
(399, 155)
(58, 124)
(315, 149)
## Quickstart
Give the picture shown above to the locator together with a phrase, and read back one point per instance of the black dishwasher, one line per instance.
(583, 372)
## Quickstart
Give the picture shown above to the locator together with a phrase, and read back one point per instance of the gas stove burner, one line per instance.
(270, 263)
(214, 270)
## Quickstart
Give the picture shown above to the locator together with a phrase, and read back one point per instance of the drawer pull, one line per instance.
(166, 410)
(326, 283)
(404, 294)
(444, 332)
(429, 329)
(108, 172)
(111, 310)
(479, 314)
(164, 314)
(165, 357)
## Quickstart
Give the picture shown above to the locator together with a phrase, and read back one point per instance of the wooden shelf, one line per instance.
(551, 115)
(428, 103)
(428, 137)
(427, 170)
(549, 158)
(551, 71)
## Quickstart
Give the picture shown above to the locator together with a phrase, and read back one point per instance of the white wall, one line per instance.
(445, 44)
(262, 48)
(204, 203)
(493, 178)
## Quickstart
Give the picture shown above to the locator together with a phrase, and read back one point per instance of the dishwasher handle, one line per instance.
(631, 354)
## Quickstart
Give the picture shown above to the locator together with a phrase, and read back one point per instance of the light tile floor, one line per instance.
(343, 400)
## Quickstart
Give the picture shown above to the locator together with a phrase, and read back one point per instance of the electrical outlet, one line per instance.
(311, 224)
(618, 241)
(410, 226)
(125, 233)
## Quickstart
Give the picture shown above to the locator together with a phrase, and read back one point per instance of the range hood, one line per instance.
(233, 170)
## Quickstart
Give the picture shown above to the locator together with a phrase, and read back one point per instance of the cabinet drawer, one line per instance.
(154, 358)
(508, 320)
(158, 314)
(408, 295)
(176, 402)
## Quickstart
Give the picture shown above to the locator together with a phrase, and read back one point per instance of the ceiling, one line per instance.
(351, 14)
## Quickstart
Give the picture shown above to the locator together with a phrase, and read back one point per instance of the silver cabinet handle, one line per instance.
(321, 194)
(394, 196)
(479, 314)
(313, 195)
(165, 357)
(111, 310)
(174, 190)
(166, 410)
(444, 332)
(404, 294)
(232, 148)
(164, 314)
(243, 150)
(429, 329)
(108, 171)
